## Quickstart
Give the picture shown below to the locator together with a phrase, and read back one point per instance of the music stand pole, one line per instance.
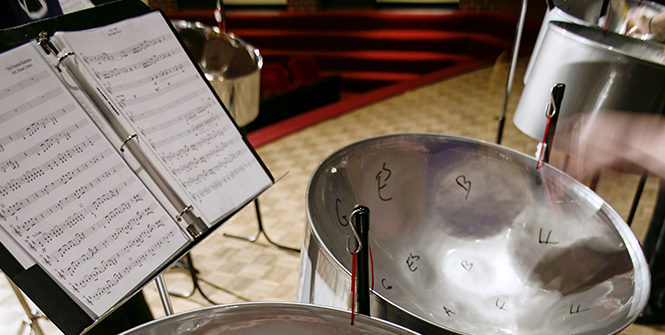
(164, 295)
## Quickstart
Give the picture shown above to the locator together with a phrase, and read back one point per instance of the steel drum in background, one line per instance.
(601, 70)
(232, 67)
(271, 318)
(587, 12)
(467, 237)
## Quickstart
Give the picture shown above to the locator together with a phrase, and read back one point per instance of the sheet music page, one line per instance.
(68, 199)
(140, 66)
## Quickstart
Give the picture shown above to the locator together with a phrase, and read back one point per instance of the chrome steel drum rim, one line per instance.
(574, 31)
(640, 294)
(247, 315)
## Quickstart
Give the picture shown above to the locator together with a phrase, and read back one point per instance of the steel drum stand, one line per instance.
(31, 316)
(511, 72)
(261, 231)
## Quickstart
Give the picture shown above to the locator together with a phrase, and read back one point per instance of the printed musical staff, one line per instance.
(157, 92)
(34, 127)
(219, 167)
(161, 75)
(65, 135)
(41, 239)
(30, 104)
(23, 84)
(130, 246)
(189, 116)
(24, 227)
(105, 288)
(127, 227)
(141, 115)
(190, 149)
(31, 175)
(220, 182)
(132, 50)
(143, 64)
(199, 128)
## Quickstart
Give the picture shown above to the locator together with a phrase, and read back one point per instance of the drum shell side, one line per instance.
(323, 281)
(598, 77)
(585, 12)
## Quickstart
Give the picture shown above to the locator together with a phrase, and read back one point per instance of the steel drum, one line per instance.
(468, 237)
(587, 12)
(602, 71)
(266, 318)
(232, 67)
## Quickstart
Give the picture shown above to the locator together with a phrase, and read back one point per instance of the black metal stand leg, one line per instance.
(636, 199)
(186, 264)
(261, 231)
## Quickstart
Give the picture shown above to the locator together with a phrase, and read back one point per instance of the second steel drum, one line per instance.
(232, 66)
(587, 12)
(468, 237)
(601, 70)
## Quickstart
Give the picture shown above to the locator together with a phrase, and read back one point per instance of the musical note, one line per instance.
(218, 183)
(118, 276)
(158, 91)
(182, 100)
(143, 64)
(158, 76)
(219, 167)
(187, 117)
(124, 53)
(125, 229)
(128, 248)
(33, 174)
(42, 123)
(43, 147)
(25, 227)
(42, 239)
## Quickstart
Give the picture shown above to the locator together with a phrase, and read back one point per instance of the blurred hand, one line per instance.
(623, 141)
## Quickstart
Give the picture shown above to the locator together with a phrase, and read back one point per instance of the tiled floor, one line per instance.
(233, 270)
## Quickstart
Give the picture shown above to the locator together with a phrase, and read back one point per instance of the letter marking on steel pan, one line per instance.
(501, 304)
(547, 239)
(467, 265)
(464, 184)
(341, 218)
(578, 309)
(449, 312)
(386, 286)
(382, 183)
(411, 262)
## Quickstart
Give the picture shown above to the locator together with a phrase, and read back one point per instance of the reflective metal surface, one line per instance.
(266, 318)
(587, 12)
(468, 237)
(232, 66)
(601, 70)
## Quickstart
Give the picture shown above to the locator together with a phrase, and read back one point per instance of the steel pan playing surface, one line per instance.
(468, 237)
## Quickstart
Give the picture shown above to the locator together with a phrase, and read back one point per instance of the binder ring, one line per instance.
(183, 212)
(61, 58)
(122, 146)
